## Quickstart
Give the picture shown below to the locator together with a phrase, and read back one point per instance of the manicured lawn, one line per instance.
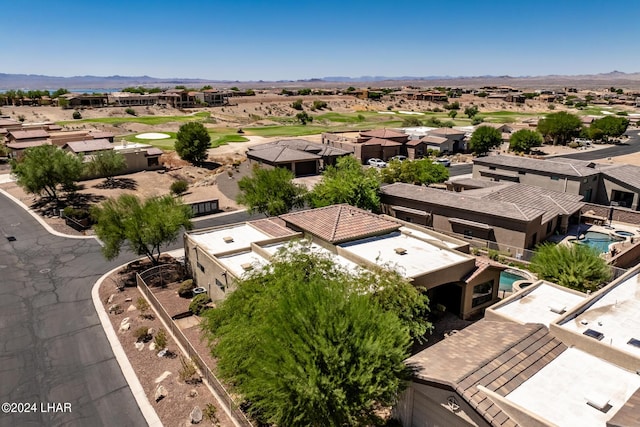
(218, 138)
(146, 120)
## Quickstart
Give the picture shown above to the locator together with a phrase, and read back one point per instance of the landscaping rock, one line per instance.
(125, 324)
(164, 375)
(151, 331)
(114, 309)
(193, 393)
(160, 393)
(139, 346)
(196, 415)
(111, 297)
(152, 346)
(128, 299)
(162, 353)
(131, 308)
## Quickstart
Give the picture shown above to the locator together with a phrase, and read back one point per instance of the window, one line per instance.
(492, 168)
(555, 178)
(468, 234)
(219, 285)
(153, 161)
(522, 173)
(482, 293)
(201, 267)
(587, 195)
(549, 226)
(595, 178)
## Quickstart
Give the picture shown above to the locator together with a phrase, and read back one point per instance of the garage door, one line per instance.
(306, 168)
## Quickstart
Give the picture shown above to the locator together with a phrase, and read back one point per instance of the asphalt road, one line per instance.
(52, 346)
(460, 169)
(632, 145)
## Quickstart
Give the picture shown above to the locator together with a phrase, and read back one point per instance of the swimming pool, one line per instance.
(598, 241)
(623, 233)
(507, 277)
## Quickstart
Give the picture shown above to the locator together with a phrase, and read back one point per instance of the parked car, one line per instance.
(399, 158)
(378, 163)
(444, 162)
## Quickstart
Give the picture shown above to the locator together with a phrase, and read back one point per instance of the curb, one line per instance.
(129, 374)
(43, 222)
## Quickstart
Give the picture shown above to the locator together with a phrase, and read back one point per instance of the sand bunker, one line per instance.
(153, 135)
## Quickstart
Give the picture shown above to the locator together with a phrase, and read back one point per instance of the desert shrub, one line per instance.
(143, 306)
(199, 304)
(179, 187)
(131, 111)
(573, 144)
(160, 339)
(76, 115)
(74, 213)
(184, 291)
(494, 255)
(477, 120)
(142, 334)
(210, 413)
(297, 105)
(319, 105)
(188, 372)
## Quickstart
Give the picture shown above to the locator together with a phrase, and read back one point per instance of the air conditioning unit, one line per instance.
(228, 239)
(400, 251)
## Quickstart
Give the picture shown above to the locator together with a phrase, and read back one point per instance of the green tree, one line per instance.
(270, 191)
(418, 172)
(471, 111)
(524, 140)
(611, 126)
(192, 142)
(560, 127)
(297, 104)
(304, 118)
(484, 139)
(305, 348)
(106, 164)
(452, 114)
(145, 226)
(574, 266)
(347, 182)
(45, 169)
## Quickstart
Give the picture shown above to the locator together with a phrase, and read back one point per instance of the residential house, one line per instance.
(455, 139)
(302, 157)
(597, 183)
(545, 356)
(355, 239)
(508, 216)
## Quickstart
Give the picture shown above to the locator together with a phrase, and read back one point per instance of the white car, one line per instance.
(444, 162)
(378, 163)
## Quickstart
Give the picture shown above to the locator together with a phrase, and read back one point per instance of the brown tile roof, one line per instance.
(497, 355)
(24, 145)
(626, 175)
(446, 132)
(274, 227)
(29, 134)
(414, 142)
(481, 266)
(340, 223)
(433, 139)
(89, 145)
(153, 151)
(8, 122)
(382, 133)
(629, 414)
(382, 142)
(96, 134)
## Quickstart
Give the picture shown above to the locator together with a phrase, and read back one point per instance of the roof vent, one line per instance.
(601, 403)
(228, 239)
(559, 309)
(634, 342)
(247, 266)
(400, 251)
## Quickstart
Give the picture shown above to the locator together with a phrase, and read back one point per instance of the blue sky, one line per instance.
(283, 39)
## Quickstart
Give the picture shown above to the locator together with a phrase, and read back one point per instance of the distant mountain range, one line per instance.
(108, 83)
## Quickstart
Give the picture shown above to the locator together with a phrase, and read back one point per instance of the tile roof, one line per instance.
(273, 227)
(629, 414)
(382, 142)
(481, 266)
(554, 203)
(89, 145)
(24, 145)
(340, 223)
(154, 151)
(434, 139)
(414, 142)
(497, 355)
(304, 145)
(29, 134)
(627, 175)
(277, 154)
(563, 167)
(383, 133)
(461, 201)
(446, 132)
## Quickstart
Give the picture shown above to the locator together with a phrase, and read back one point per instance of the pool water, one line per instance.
(508, 277)
(598, 241)
(624, 233)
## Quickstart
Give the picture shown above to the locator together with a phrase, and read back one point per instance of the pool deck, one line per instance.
(625, 242)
